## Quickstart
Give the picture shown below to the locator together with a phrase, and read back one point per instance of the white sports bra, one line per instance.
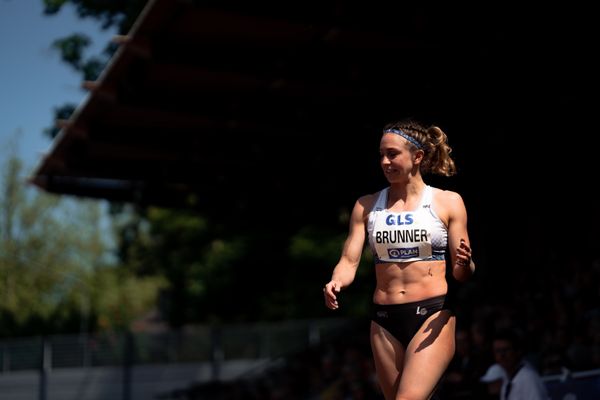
(405, 236)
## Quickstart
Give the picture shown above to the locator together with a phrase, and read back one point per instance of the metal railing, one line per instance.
(131, 366)
(190, 344)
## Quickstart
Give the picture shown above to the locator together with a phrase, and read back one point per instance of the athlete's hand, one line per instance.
(463, 254)
(330, 291)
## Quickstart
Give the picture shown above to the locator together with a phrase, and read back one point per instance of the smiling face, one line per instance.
(397, 158)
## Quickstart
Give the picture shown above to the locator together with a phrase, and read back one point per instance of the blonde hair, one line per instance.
(434, 143)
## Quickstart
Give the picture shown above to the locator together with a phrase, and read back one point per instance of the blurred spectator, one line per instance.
(523, 381)
(493, 379)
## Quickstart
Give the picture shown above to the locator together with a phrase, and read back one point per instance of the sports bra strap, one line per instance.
(427, 197)
(380, 204)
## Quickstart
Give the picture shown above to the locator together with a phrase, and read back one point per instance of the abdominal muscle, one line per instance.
(399, 283)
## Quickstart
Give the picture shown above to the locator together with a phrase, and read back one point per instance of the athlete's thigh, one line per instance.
(428, 355)
(388, 357)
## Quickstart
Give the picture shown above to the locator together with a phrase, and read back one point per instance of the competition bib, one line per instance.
(399, 237)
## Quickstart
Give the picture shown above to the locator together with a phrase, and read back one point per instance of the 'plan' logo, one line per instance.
(400, 253)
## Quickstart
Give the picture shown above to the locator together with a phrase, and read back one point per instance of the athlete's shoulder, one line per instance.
(448, 203)
(367, 201)
(448, 196)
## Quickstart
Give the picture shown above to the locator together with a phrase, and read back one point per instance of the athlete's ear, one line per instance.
(418, 156)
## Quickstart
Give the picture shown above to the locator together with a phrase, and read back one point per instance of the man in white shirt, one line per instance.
(523, 382)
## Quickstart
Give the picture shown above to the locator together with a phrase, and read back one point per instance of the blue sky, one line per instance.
(33, 79)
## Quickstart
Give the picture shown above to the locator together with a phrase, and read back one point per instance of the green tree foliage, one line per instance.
(194, 255)
(114, 14)
(226, 273)
(120, 13)
(56, 270)
(60, 113)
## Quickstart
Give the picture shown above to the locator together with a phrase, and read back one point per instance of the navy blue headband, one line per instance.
(405, 136)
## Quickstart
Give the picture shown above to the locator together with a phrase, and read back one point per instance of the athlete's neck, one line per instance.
(404, 191)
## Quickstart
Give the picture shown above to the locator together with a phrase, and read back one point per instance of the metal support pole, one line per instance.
(45, 366)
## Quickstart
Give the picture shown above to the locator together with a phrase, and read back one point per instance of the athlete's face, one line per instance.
(396, 159)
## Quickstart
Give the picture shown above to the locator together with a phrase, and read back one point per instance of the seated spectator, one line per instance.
(523, 381)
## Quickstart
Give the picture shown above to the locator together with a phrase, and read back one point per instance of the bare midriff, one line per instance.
(399, 283)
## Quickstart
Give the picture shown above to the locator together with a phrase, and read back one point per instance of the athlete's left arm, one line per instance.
(458, 237)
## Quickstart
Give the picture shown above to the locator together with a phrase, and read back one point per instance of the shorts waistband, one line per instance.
(425, 302)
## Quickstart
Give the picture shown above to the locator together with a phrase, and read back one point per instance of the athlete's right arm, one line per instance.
(345, 270)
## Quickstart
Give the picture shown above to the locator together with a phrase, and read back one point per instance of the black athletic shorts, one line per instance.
(404, 320)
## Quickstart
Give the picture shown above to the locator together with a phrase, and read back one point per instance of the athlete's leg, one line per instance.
(388, 356)
(427, 357)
